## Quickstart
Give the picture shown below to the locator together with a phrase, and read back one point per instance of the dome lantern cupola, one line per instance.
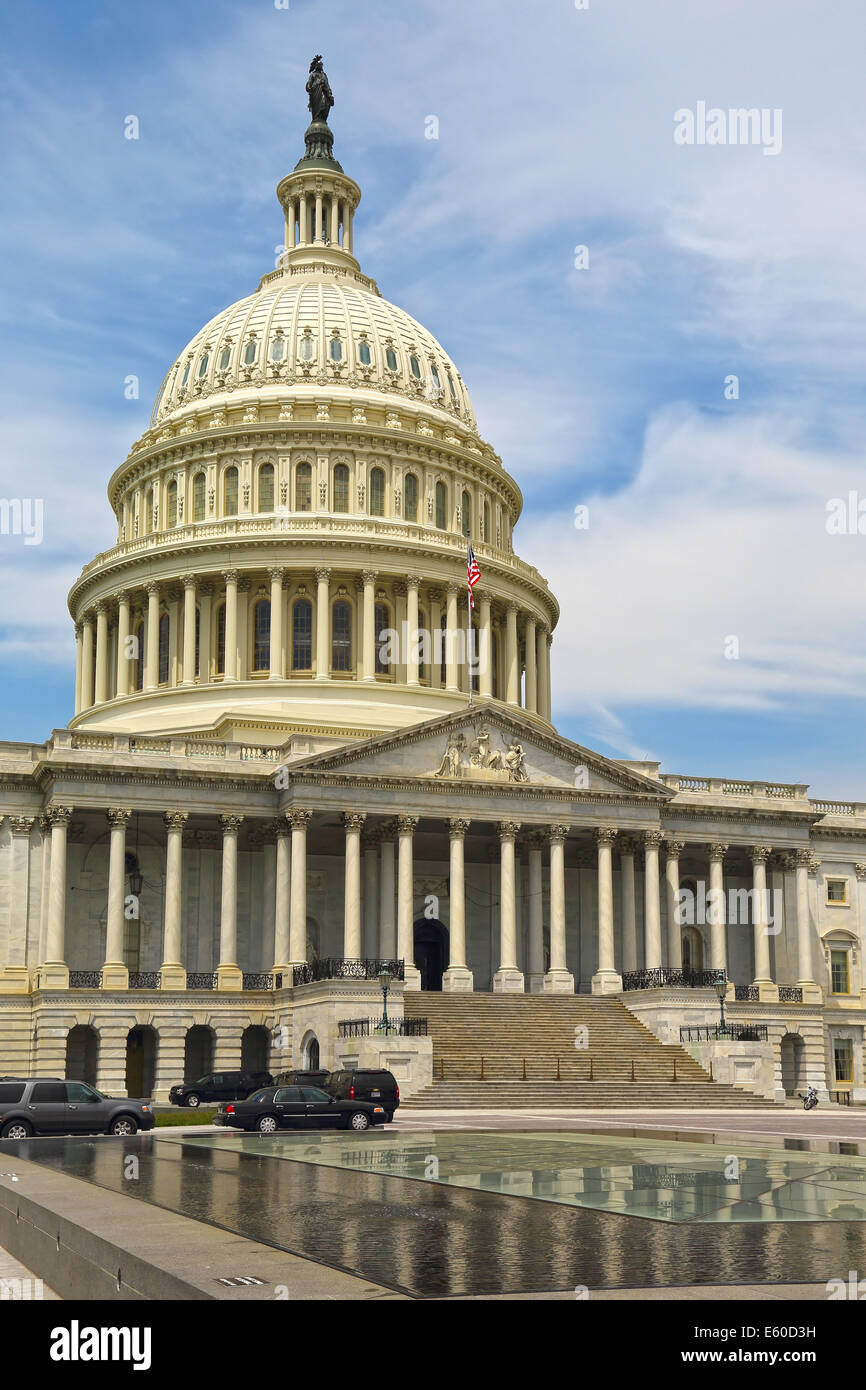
(317, 198)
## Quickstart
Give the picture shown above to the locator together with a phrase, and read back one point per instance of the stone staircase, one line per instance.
(517, 1051)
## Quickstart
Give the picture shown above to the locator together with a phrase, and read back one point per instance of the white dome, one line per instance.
(317, 330)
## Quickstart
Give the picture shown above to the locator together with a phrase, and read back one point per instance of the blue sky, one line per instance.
(601, 387)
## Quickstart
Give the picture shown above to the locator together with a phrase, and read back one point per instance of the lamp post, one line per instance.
(384, 985)
(721, 988)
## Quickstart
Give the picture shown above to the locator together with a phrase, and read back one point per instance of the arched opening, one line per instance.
(431, 951)
(310, 1053)
(377, 492)
(341, 636)
(693, 949)
(262, 635)
(198, 497)
(302, 635)
(230, 492)
(255, 1048)
(198, 1052)
(341, 488)
(793, 1062)
(266, 487)
(82, 1054)
(410, 498)
(141, 1045)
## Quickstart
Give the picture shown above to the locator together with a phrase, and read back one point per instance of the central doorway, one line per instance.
(431, 951)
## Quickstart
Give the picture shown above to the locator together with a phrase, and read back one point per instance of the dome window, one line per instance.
(250, 352)
(364, 354)
(230, 492)
(262, 635)
(225, 358)
(306, 348)
(278, 347)
(202, 366)
(266, 487)
(415, 366)
(410, 498)
(441, 507)
(435, 376)
(185, 377)
(303, 488)
(172, 503)
(451, 388)
(341, 488)
(198, 490)
(377, 492)
(341, 636)
(336, 350)
(391, 359)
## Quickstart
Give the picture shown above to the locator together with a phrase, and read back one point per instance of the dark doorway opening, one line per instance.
(82, 1049)
(431, 951)
(141, 1044)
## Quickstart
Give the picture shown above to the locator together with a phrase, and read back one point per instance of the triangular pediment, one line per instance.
(483, 745)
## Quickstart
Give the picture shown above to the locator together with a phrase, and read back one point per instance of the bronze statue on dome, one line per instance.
(321, 98)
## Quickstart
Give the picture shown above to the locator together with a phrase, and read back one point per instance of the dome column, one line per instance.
(412, 667)
(277, 654)
(101, 692)
(189, 584)
(123, 658)
(87, 662)
(485, 653)
(323, 645)
(151, 672)
(302, 219)
(512, 689)
(531, 668)
(79, 663)
(230, 663)
(369, 654)
(451, 683)
(542, 663)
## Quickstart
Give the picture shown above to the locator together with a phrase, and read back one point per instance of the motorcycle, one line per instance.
(810, 1099)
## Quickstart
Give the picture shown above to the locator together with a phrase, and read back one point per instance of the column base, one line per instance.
(14, 979)
(535, 984)
(412, 979)
(53, 975)
(172, 977)
(115, 977)
(230, 977)
(607, 982)
(457, 979)
(768, 993)
(812, 993)
(558, 982)
(508, 981)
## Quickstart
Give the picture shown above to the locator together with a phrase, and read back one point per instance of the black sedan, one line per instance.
(298, 1107)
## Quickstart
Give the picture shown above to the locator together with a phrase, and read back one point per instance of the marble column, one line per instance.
(458, 978)
(371, 637)
(508, 979)
(412, 664)
(558, 980)
(101, 692)
(535, 973)
(451, 672)
(172, 972)
(805, 968)
(87, 650)
(230, 663)
(387, 928)
(716, 912)
(114, 972)
(54, 973)
(354, 824)
(542, 667)
(277, 661)
(512, 673)
(370, 853)
(485, 648)
(299, 820)
(674, 849)
(282, 902)
(653, 839)
(204, 633)
(759, 856)
(14, 975)
(124, 664)
(229, 974)
(606, 980)
(406, 900)
(79, 664)
(151, 661)
(302, 219)
(531, 667)
(629, 906)
(323, 616)
(189, 586)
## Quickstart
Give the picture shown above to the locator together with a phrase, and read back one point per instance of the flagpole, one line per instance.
(469, 637)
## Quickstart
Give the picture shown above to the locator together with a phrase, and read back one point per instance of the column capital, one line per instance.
(323, 576)
(717, 853)
(117, 815)
(231, 824)
(231, 576)
(101, 606)
(508, 829)
(860, 870)
(452, 588)
(535, 840)
(605, 834)
(59, 815)
(299, 819)
(279, 827)
(121, 596)
(628, 845)
(434, 595)
(176, 820)
(674, 848)
(413, 581)
(354, 820)
(386, 831)
(189, 581)
(369, 576)
(653, 839)
(512, 607)
(759, 854)
(21, 825)
(558, 833)
(275, 574)
(457, 827)
(406, 824)
(152, 587)
(803, 857)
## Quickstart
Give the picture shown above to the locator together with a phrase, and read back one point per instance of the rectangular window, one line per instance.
(837, 890)
(302, 636)
(843, 1059)
(839, 972)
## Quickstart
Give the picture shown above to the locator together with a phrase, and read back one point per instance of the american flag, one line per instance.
(473, 573)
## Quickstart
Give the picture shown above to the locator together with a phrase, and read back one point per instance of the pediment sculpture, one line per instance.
(477, 760)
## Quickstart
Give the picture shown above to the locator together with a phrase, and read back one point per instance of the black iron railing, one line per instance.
(144, 979)
(201, 980)
(733, 1032)
(790, 994)
(85, 979)
(746, 994)
(368, 1027)
(658, 979)
(329, 968)
(258, 980)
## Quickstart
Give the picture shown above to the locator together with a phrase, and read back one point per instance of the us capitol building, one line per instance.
(275, 778)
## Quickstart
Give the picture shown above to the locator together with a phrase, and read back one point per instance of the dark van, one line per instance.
(380, 1087)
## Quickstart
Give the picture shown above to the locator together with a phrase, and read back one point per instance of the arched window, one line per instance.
(262, 635)
(341, 488)
(148, 513)
(302, 635)
(221, 640)
(171, 508)
(377, 492)
(303, 488)
(466, 514)
(485, 532)
(163, 649)
(341, 636)
(139, 656)
(198, 495)
(230, 492)
(381, 627)
(410, 498)
(441, 507)
(266, 487)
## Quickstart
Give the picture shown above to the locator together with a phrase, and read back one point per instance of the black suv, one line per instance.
(299, 1107)
(298, 1078)
(220, 1085)
(41, 1106)
(379, 1087)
